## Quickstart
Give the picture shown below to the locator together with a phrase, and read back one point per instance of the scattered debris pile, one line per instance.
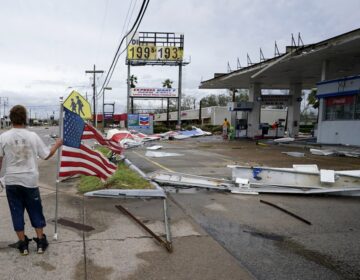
(336, 152)
(130, 139)
(300, 179)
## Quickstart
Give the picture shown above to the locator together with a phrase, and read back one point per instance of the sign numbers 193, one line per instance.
(169, 53)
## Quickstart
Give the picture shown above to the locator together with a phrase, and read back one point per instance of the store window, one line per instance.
(340, 107)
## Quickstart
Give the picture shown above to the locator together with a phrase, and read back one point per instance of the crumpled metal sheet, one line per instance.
(118, 193)
(188, 180)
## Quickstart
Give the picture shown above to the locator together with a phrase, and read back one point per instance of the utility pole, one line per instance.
(128, 90)
(179, 96)
(4, 101)
(94, 71)
(103, 107)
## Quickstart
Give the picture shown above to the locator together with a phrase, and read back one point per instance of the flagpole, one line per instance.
(58, 169)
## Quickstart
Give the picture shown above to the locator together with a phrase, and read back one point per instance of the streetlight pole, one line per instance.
(103, 106)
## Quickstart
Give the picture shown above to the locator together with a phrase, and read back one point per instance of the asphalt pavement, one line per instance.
(268, 242)
(215, 235)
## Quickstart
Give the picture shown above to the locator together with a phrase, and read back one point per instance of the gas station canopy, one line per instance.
(306, 65)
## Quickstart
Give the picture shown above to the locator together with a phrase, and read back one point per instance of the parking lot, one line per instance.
(268, 242)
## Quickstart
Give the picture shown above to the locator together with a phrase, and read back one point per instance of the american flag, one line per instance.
(77, 158)
(91, 132)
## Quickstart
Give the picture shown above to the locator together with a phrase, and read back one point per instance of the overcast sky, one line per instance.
(46, 46)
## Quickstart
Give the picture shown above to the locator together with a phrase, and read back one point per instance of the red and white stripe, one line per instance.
(84, 161)
(92, 133)
(121, 135)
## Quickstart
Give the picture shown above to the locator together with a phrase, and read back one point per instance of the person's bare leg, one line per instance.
(20, 235)
(39, 232)
(41, 241)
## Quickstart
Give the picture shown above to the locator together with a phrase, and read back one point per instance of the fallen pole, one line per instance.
(164, 243)
(286, 211)
(166, 222)
(158, 188)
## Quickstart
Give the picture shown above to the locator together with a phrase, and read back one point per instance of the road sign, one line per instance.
(78, 104)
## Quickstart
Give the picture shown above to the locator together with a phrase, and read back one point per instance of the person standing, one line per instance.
(225, 127)
(19, 149)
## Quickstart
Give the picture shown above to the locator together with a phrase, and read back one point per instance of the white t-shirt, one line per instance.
(20, 148)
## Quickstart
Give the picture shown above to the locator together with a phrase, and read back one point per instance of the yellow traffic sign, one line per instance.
(78, 104)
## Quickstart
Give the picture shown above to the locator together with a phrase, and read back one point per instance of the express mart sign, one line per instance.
(154, 92)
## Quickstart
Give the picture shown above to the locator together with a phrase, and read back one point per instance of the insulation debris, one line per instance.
(284, 140)
(161, 154)
(294, 154)
(155, 147)
(321, 152)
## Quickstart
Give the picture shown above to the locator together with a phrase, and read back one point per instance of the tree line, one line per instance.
(190, 102)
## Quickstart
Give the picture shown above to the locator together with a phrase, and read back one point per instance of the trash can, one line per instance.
(264, 128)
(231, 134)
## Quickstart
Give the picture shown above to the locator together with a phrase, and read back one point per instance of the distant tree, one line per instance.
(167, 83)
(243, 95)
(209, 101)
(223, 99)
(308, 113)
(187, 102)
(312, 100)
(133, 81)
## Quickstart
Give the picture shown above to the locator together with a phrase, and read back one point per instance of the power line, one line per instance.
(38, 106)
(133, 35)
(130, 17)
(102, 29)
(117, 59)
(117, 55)
(121, 42)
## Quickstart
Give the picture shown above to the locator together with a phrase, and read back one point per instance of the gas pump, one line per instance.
(241, 127)
(281, 128)
(278, 128)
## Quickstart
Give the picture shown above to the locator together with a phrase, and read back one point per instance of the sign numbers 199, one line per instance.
(141, 52)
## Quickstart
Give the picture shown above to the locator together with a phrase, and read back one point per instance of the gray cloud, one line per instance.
(46, 46)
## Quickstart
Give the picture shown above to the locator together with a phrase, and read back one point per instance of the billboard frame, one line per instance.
(156, 39)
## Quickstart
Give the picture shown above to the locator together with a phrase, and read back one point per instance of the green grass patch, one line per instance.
(123, 178)
(105, 151)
